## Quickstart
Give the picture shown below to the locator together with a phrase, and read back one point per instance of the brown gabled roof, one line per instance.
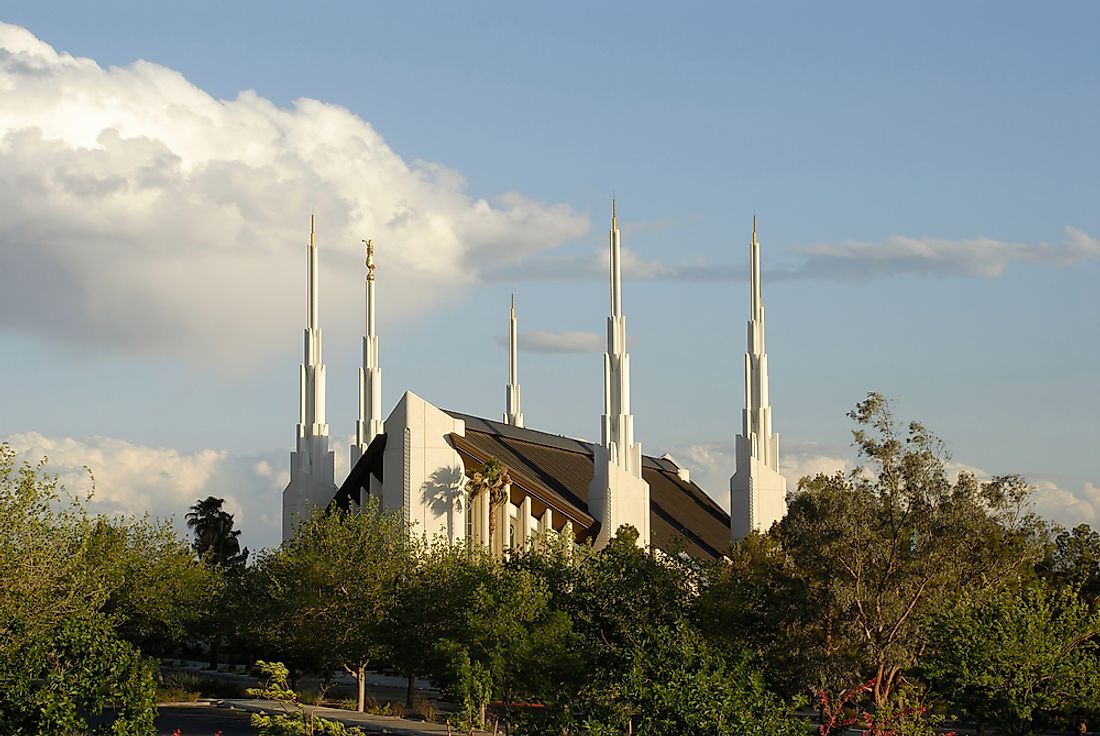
(682, 516)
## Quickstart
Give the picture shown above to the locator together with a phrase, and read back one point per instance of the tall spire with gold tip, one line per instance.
(513, 414)
(758, 493)
(311, 463)
(617, 494)
(369, 424)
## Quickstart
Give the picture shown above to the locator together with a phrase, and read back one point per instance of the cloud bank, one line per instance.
(139, 212)
(935, 257)
(897, 255)
(134, 480)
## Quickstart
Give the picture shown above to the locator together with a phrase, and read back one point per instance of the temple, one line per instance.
(418, 460)
(758, 493)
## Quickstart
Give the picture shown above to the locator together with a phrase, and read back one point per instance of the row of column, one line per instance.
(526, 526)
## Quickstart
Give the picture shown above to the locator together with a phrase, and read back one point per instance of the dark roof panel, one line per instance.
(682, 514)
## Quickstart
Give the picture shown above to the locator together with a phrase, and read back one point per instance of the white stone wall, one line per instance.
(424, 476)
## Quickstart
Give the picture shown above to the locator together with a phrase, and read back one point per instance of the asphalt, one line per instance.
(231, 716)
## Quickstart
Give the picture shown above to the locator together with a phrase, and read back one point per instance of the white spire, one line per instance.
(757, 490)
(312, 375)
(513, 414)
(369, 424)
(311, 463)
(618, 423)
(617, 494)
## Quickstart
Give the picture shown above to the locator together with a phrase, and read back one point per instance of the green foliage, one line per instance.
(215, 539)
(1074, 560)
(641, 664)
(158, 592)
(323, 597)
(61, 658)
(491, 479)
(862, 559)
(295, 720)
(1007, 657)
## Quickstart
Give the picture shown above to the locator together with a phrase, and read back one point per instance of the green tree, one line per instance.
(428, 625)
(158, 592)
(1074, 560)
(61, 659)
(214, 536)
(757, 601)
(1011, 656)
(644, 666)
(295, 720)
(877, 549)
(329, 590)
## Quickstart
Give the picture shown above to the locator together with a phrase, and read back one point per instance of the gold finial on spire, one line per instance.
(312, 240)
(754, 227)
(513, 305)
(613, 216)
(370, 259)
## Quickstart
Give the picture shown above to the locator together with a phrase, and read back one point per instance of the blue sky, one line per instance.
(925, 176)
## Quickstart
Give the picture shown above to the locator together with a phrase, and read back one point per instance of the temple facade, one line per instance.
(418, 460)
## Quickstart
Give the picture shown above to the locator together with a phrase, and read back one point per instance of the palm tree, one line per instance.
(492, 478)
(215, 537)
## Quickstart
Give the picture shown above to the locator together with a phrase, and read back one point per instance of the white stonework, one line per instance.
(758, 493)
(311, 463)
(513, 414)
(369, 424)
(425, 477)
(617, 494)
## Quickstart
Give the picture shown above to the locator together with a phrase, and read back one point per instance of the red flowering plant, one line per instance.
(838, 716)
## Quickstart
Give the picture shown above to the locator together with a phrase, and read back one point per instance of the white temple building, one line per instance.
(758, 493)
(418, 460)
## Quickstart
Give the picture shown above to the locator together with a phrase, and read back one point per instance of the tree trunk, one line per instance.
(215, 649)
(361, 683)
(409, 692)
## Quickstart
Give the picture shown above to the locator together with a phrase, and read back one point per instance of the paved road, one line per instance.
(231, 718)
(202, 720)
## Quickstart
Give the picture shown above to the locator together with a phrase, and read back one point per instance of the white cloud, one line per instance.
(589, 266)
(139, 212)
(134, 480)
(852, 261)
(972, 258)
(567, 341)
(1066, 507)
(712, 463)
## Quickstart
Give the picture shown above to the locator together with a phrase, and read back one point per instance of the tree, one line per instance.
(1008, 657)
(214, 535)
(329, 590)
(159, 592)
(875, 550)
(644, 667)
(492, 479)
(1074, 560)
(295, 720)
(757, 601)
(61, 659)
